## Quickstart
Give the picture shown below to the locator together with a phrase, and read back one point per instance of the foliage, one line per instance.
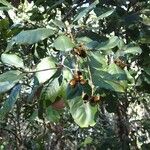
(74, 74)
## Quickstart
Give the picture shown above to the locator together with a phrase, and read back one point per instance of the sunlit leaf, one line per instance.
(6, 3)
(30, 36)
(132, 50)
(9, 79)
(13, 60)
(48, 66)
(63, 43)
(82, 113)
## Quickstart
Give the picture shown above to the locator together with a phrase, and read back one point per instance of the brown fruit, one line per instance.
(95, 99)
(73, 82)
(120, 63)
(80, 51)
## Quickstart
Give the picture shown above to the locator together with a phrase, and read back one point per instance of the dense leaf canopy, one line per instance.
(75, 74)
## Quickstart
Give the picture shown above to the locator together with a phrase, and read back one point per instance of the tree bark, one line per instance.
(123, 127)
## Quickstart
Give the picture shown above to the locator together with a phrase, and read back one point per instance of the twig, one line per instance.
(12, 133)
(34, 71)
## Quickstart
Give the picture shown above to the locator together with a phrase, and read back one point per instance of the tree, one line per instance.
(74, 74)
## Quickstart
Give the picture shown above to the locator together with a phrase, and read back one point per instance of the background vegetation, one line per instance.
(75, 74)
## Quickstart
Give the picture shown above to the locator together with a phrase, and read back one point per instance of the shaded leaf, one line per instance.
(9, 103)
(51, 91)
(73, 92)
(106, 14)
(12, 59)
(111, 43)
(52, 115)
(104, 82)
(147, 70)
(129, 77)
(116, 71)
(85, 11)
(97, 60)
(92, 45)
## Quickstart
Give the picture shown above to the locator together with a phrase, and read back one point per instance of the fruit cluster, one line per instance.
(77, 78)
(80, 51)
(91, 99)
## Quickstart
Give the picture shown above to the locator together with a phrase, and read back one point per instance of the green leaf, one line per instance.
(129, 77)
(144, 36)
(82, 113)
(146, 20)
(47, 64)
(111, 43)
(4, 25)
(132, 50)
(84, 40)
(12, 59)
(4, 2)
(9, 103)
(91, 45)
(4, 8)
(88, 140)
(97, 60)
(30, 37)
(146, 78)
(63, 43)
(121, 44)
(106, 14)
(116, 71)
(108, 83)
(85, 11)
(147, 70)
(51, 91)
(73, 92)
(9, 79)
(59, 23)
(52, 115)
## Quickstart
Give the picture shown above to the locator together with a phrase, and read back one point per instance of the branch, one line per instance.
(35, 71)
(12, 133)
